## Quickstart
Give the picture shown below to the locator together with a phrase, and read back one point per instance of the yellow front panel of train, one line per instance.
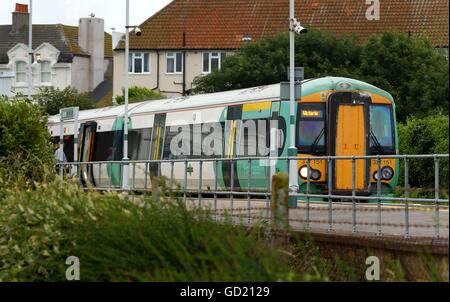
(350, 141)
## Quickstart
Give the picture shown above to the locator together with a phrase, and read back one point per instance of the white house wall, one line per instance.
(80, 74)
(170, 85)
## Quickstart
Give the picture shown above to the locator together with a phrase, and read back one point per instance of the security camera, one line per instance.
(137, 31)
(297, 27)
(38, 58)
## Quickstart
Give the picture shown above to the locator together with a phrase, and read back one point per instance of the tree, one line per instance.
(265, 62)
(409, 68)
(138, 94)
(53, 99)
(26, 152)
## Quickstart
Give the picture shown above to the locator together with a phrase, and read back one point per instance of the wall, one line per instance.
(170, 85)
(80, 74)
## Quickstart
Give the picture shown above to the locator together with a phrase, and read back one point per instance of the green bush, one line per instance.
(118, 240)
(26, 153)
(409, 68)
(53, 99)
(427, 135)
(138, 94)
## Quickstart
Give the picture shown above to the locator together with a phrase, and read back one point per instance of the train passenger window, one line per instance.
(140, 142)
(311, 128)
(103, 146)
(381, 125)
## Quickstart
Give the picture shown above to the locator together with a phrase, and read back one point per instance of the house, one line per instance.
(80, 57)
(190, 38)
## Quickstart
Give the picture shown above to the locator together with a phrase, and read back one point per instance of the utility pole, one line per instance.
(293, 178)
(30, 50)
(125, 160)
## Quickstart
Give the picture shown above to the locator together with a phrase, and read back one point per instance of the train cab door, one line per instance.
(156, 149)
(86, 152)
(349, 136)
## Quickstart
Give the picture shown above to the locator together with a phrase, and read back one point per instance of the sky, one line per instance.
(69, 11)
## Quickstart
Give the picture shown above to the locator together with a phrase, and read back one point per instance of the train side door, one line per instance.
(349, 130)
(86, 152)
(158, 136)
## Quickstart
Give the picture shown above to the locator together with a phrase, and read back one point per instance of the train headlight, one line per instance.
(314, 174)
(387, 173)
(303, 172)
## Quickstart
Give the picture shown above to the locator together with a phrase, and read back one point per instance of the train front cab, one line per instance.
(347, 123)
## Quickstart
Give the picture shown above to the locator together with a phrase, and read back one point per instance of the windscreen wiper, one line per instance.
(317, 140)
(376, 142)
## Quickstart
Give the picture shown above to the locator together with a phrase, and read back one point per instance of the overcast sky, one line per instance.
(69, 11)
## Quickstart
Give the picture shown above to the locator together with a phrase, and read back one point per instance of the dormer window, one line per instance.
(21, 72)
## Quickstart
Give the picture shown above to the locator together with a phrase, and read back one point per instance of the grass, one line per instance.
(116, 239)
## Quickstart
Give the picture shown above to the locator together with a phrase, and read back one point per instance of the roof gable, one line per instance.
(62, 37)
(218, 24)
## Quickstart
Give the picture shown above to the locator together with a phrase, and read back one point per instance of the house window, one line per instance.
(212, 61)
(46, 72)
(21, 72)
(174, 62)
(139, 62)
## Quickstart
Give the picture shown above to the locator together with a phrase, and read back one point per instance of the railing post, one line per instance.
(330, 193)
(308, 191)
(249, 199)
(280, 201)
(436, 194)
(354, 223)
(407, 234)
(380, 232)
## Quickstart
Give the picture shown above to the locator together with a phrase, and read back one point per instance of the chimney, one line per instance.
(91, 38)
(20, 18)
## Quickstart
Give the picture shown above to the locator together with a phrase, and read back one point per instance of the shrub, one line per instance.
(25, 150)
(427, 135)
(117, 240)
(138, 94)
(53, 99)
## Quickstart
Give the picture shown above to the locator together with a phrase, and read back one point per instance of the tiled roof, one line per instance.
(63, 37)
(221, 24)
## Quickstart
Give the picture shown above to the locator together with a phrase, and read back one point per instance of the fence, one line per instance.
(373, 212)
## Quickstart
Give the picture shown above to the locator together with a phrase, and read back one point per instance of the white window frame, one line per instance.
(22, 72)
(140, 55)
(42, 71)
(173, 55)
(219, 56)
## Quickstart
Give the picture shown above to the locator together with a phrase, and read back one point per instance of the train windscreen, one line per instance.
(311, 128)
(382, 129)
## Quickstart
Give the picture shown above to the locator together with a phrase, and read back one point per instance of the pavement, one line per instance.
(369, 219)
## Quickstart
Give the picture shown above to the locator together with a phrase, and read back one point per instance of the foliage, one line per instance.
(428, 135)
(265, 62)
(138, 94)
(53, 99)
(118, 240)
(409, 68)
(25, 149)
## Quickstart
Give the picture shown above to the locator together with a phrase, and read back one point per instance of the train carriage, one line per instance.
(335, 117)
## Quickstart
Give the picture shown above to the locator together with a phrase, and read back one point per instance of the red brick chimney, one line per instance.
(20, 18)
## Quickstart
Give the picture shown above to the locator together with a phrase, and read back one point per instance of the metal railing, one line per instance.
(387, 215)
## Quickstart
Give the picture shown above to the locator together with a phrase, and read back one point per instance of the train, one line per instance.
(191, 135)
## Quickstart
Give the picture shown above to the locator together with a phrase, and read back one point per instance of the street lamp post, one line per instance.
(125, 177)
(293, 178)
(30, 50)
